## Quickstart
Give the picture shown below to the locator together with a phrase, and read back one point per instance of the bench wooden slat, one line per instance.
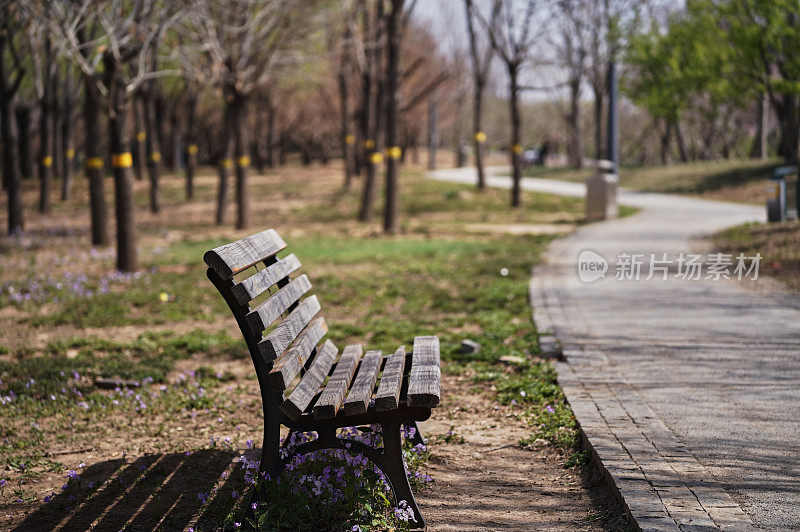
(287, 331)
(388, 395)
(253, 286)
(270, 310)
(290, 363)
(361, 390)
(307, 388)
(424, 382)
(332, 396)
(230, 259)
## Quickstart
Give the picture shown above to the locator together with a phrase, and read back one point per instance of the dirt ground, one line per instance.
(485, 481)
(135, 475)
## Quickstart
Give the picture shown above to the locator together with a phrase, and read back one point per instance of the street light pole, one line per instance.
(613, 128)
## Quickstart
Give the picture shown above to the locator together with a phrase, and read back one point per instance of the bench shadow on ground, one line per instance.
(153, 491)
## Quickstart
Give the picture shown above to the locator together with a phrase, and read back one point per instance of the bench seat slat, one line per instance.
(332, 396)
(270, 310)
(230, 259)
(388, 395)
(288, 330)
(307, 388)
(424, 381)
(253, 286)
(361, 391)
(290, 363)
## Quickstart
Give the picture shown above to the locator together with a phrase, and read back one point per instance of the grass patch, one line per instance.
(778, 244)
(720, 179)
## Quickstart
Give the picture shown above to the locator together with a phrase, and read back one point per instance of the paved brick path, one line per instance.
(688, 391)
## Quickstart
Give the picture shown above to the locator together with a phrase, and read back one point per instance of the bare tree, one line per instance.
(69, 98)
(345, 74)
(11, 77)
(112, 42)
(572, 48)
(514, 29)
(396, 20)
(240, 43)
(41, 47)
(481, 53)
(372, 47)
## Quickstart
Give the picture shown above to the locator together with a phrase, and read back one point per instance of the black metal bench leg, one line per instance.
(270, 463)
(395, 469)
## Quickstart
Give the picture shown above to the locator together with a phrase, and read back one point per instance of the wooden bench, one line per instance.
(285, 335)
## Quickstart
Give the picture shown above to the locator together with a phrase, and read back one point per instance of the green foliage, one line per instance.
(669, 67)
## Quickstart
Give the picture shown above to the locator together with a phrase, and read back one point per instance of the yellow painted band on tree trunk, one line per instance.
(192, 149)
(95, 163)
(480, 136)
(369, 144)
(155, 156)
(376, 158)
(349, 139)
(394, 152)
(122, 160)
(226, 163)
(141, 136)
(243, 161)
(517, 149)
(70, 154)
(47, 161)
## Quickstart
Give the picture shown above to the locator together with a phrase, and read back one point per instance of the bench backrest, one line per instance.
(278, 323)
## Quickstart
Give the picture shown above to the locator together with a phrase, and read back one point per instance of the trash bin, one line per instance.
(777, 204)
(601, 193)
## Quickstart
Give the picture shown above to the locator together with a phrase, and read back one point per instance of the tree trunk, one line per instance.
(8, 131)
(46, 133)
(152, 145)
(391, 214)
(665, 138)
(516, 137)
(238, 114)
(121, 161)
(67, 140)
(372, 106)
(23, 114)
(140, 139)
(347, 140)
(433, 132)
(160, 117)
(273, 142)
(682, 151)
(94, 164)
(787, 108)
(478, 136)
(225, 164)
(191, 148)
(575, 148)
(172, 144)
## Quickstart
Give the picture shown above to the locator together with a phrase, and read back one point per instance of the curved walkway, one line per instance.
(688, 390)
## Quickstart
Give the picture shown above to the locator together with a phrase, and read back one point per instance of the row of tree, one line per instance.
(259, 74)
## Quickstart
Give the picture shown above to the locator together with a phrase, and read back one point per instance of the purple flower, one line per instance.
(550, 409)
